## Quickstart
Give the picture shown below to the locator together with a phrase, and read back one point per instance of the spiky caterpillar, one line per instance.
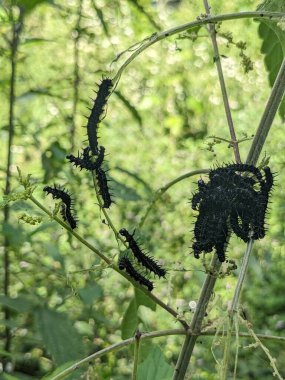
(84, 159)
(230, 197)
(103, 187)
(97, 110)
(125, 264)
(66, 211)
(147, 261)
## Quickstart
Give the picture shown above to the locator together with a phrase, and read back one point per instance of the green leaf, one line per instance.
(142, 299)
(130, 320)
(21, 304)
(155, 367)
(273, 45)
(59, 336)
(90, 294)
(29, 5)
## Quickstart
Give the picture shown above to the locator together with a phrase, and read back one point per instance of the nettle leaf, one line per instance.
(131, 319)
(273, 46)
(59, 336)
(155, 367)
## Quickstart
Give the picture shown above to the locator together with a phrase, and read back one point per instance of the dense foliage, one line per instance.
(63, 302)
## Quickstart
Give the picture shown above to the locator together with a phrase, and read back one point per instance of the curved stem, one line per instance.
(217, 59)
(158, 194)
(143, 336)
(156, 37)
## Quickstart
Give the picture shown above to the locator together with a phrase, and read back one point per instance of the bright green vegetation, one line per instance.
(63, 302)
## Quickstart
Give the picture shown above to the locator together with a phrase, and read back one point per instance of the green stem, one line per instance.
(156, 37)
(241, 277)
(196, 323)
(212, 32)
(111, 265)
(151, 335)
(158, 194)
(136, 355)
(266, 121)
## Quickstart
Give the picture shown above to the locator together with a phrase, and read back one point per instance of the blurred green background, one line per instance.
(63, 304)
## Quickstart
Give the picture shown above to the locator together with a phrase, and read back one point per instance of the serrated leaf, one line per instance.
(155, 367)
(21, 304)
(59, 336)
(130, 320)
(273, 46)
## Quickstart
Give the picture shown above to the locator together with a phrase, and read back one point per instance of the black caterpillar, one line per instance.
(147, 261)
(125, 264)
(95, 117)
(67, 207)
(104, 188)
(230, 200)
(84, 161)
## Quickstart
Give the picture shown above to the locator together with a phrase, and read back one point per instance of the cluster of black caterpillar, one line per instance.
(66, 210)
(230, 200)
(143, 259)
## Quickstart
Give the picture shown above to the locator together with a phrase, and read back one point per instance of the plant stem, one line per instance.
(241, 277)
(151, 335)
(158, 194)
(76, 76)
(111, 265)
(196, 323)
(266, 121)
(217, 58)
(136, 354)
(16, 31)
(156, 37)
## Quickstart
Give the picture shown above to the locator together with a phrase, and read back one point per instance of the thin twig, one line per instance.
(217, 59)
(151, 335)
(158, 194)
(136, 354)
(111, 264)
(156, 37)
